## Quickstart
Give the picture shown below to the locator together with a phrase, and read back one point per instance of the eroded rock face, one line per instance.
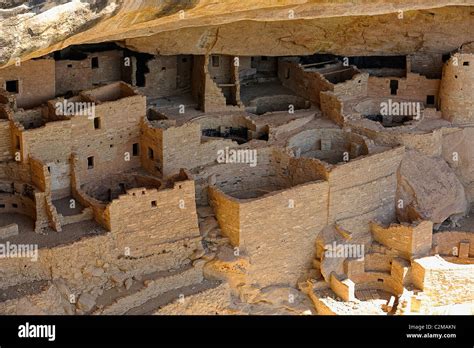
(285, 27)
(428, 189)
(457, 152)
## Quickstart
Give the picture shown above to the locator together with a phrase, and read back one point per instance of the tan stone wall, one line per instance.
(75, 261)
(151, 142)
(110, 66)
(412, 87)
(78, 75)
(155, 216)
(435, 276)
(446, 242)
(49, 143)
(280, 244)
(364, 189)
(36, 81)
(426, 64)
(457, 86)
(119, 130)
(227, 210)
(307, 84)
(331, 107)
(161, 80)
(205, 89)
(5, 141)
(221, 73)
(411, 241)
(357, 86)
(427, 143)
(15, 171)
(73, 75)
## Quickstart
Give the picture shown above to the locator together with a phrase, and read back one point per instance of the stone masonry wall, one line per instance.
(36, 81)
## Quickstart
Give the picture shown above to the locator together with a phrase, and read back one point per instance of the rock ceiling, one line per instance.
(241, 27)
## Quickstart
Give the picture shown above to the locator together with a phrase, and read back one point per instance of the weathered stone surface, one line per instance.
(207, 225)
(342, 27)
(86, 302)
(428, 189)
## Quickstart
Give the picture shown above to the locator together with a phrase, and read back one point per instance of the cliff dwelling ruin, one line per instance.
(259, 163)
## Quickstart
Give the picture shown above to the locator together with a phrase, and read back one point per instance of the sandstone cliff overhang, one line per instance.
(288, 27)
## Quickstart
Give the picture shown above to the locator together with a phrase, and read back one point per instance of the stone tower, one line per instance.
(457, 87)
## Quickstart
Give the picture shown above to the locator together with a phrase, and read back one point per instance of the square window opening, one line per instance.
(12, 86)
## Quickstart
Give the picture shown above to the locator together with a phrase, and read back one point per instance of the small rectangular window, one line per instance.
(430, 100)
(465, 64)
(95, 63)
(90, 162)
(136, 149)
(2, 206)
(153, 204)
(151, 153)
(14, 205)
(17, 142)
(12, 86)
(215, 61)
(97, 123)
